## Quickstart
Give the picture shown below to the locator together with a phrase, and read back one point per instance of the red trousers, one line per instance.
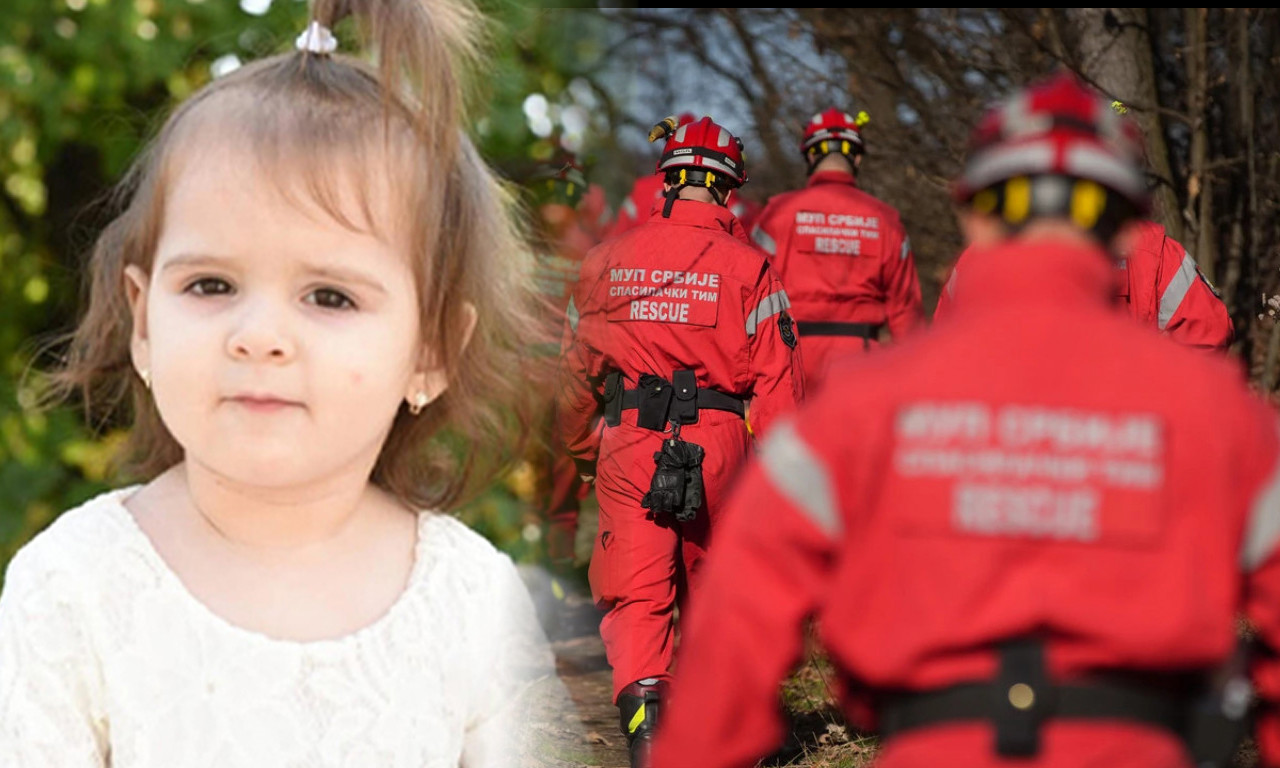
(641, 569)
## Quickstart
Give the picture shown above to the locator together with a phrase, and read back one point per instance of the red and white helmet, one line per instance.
(703, 146)
(1055, 127)
(834, 131)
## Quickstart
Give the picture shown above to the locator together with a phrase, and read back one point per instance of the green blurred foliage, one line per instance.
(83, 85)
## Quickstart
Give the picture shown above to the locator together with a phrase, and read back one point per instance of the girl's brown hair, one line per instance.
(317, 122)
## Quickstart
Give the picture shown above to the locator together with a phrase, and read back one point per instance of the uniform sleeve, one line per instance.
(1190, 311)
(520, 691)
(51, 700)
(947, 296)
(577, 409)
(902, 303)
(746, 630)
(763, 236)
(774, 355)
(1260, 561)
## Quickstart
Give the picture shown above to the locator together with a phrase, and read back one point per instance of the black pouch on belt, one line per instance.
(1221, 715)
(612, 398)
(684, 408)
(653, 400)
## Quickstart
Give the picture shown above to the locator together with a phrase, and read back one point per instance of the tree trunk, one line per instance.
(1113, 46)
(1247, 207)
(1199, 187)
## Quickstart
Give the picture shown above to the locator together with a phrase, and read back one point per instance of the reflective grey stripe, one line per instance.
(681, 161)
(571, 312)
(1089, 162)
(1177, 289)
(1003, 162)
(951, 285)
(1264, 524)
(1017, 120)
(629, 208)
(768, 307)
(764, 241)
(800, 476)
(906, 248)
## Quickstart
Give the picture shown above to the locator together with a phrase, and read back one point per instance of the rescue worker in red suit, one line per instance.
(843, 255)
(678, 327)
(645, 196)
(561, 240)
(1030, 560)
(1159, 284)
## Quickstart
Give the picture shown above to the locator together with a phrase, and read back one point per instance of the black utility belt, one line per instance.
(862, 330)
(705, 399)
(661, 402)
(1209, 719)
(1007, 705)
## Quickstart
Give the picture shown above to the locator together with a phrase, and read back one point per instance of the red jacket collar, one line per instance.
(833, 177)
(1037, 272)
(692, 213)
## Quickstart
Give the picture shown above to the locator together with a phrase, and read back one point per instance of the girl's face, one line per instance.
(280, 343)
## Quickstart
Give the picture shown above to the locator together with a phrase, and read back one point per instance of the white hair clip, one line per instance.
(317, 38)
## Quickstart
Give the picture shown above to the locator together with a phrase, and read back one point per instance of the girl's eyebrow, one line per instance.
(327, 271)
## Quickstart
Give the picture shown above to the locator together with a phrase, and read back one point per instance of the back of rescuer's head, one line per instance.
(834, 131)
(701, 153)
(1055, 149)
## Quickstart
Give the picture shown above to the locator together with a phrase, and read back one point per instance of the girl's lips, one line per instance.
(263, 402)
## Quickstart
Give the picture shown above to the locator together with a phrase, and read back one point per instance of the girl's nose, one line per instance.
(261, 334)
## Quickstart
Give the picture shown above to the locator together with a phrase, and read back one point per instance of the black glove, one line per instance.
(676, 488)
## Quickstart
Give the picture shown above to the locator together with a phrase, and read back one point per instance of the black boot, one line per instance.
(638, 706)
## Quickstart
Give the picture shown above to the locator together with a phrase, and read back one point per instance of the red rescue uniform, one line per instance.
(846, 262)
(559, 488)
(923, 519)
(681, 293)
(1159, 283)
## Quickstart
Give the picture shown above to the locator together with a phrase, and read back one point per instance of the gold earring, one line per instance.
(145, 375)
(419, 402)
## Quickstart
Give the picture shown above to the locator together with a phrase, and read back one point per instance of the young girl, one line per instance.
(315, 277)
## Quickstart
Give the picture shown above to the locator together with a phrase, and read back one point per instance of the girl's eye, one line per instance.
(209, 286)
(328, 298)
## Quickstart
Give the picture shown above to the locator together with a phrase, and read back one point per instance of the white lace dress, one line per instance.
(107, 660)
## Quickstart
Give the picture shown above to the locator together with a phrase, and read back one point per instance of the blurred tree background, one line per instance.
(84, 84)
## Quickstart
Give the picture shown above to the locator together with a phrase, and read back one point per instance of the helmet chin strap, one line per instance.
(721, 196)
(671, 196)
(815, 159)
